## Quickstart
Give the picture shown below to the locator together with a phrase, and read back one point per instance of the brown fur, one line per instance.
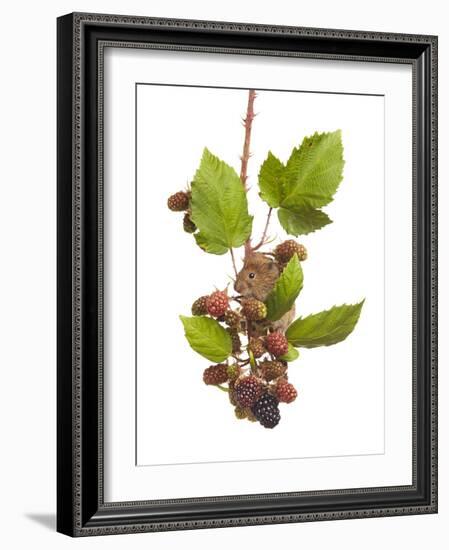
(266, 272)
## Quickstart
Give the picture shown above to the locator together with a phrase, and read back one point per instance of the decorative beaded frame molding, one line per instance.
(81, 42)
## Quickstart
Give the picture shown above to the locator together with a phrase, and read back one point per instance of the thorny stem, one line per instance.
(247, 123)
(264, 234)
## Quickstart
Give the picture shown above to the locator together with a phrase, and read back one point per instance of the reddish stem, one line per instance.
(265, 231)
(247, 123)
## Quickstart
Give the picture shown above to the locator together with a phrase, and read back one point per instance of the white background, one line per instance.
(345, 265)
(28, 320)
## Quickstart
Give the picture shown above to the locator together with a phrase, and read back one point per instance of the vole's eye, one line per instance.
(251, 275)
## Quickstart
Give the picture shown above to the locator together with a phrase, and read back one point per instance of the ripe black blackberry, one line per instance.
(266, 410)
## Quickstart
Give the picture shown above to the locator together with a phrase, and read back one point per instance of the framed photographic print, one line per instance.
(247, 284)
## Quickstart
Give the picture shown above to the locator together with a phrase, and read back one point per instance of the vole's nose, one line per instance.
(237, 287)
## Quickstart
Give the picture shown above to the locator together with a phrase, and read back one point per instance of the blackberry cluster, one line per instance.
(254, 374)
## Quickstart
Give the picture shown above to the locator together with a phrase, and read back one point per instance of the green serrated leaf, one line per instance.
(291, 355)
(314, 171)
(219, 206)
(325, 328)
(285, 291)
(207, 337)
(270, 180)
(213, 247)
(303, 220)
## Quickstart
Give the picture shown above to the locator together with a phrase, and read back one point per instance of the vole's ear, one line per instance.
(271, 266)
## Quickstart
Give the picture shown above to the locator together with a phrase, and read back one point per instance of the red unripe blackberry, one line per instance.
(199, 306)
(257, 346)
(216, 374)
(285, 392)
(217, 303)
(247, 390)
(254, 309)
(285, 251)
(179, 201)
(276, 343)
(266, 410)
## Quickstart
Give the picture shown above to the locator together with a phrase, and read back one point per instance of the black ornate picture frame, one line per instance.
(81, 509)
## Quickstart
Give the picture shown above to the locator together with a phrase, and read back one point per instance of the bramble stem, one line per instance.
(248, 124)
(264, 234)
